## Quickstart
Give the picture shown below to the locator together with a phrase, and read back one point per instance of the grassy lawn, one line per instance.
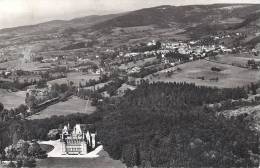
(76, 78)
(46, 147)
(104, 161)
(229, 76)
(73, 105)
(12, 99)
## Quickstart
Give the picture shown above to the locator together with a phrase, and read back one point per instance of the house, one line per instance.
(152, 43)
(77, 141)
(7, 73)
(134, 69)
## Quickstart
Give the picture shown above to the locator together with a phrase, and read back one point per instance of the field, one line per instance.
(76, 78)
(138, 63)
(30, 66)
(97, 86)
(231, 20)
(12, 99)
(236, 59)
(73, 105)
(104, 161)
(193, 72)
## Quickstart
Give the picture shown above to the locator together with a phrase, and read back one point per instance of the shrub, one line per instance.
(215, 69)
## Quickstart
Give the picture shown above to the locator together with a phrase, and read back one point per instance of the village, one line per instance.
(60, 85)
(114, 71)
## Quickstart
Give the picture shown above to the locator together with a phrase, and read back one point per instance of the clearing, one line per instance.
(236, 59)
(200, 73)
(95, 159)
(56, 151)
(253, 111)
(76, 78)
(12, 99)
(72, 106)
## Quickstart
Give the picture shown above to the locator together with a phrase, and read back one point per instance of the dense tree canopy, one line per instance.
(160, 124)
(166, 125)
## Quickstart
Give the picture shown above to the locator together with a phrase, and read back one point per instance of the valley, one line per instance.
(166, 86)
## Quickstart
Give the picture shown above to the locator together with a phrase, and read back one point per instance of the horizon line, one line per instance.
(118, 12)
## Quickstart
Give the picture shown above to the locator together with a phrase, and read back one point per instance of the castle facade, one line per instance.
(77, 141)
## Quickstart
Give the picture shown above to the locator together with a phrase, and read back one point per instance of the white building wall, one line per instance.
(84, 148)
(93, 140)
(63, 148)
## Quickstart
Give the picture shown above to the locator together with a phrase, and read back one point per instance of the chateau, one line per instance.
(77, 141)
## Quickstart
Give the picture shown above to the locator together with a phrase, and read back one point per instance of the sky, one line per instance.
(25, 12)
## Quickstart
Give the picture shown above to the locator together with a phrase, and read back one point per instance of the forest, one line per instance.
(166, 125)
(158, 125)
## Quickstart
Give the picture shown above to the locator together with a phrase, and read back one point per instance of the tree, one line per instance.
(53, 134)
(165, 123)
(42, 84)
(1, 107)
(253, 88)
(129, 155)
(158, 44)
(1, 157)
(1, 111)
(34, 149)
(11, 153)
(30, 101)
(22, 110)
(24, 149)
(63, 88)
(11, 165)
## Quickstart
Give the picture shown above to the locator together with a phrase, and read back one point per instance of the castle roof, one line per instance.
(81, 128)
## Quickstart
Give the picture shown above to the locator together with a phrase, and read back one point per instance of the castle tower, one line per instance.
(63, 148)
(84, 148)
(88, 137)
(93, 138)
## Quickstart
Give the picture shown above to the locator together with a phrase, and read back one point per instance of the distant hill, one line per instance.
(251, 18)
(55, 25)
(164, 16)
(162, 22)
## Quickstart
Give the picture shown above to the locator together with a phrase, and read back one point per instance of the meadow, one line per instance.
(104, 161)
(236, 59)
(72, 106)
(76, 78)
(26, 66)
(200, 73)
(12, 99)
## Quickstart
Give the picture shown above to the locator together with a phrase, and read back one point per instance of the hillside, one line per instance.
(166, 15)
(56, 25)
(165, 125)
(109, 31)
